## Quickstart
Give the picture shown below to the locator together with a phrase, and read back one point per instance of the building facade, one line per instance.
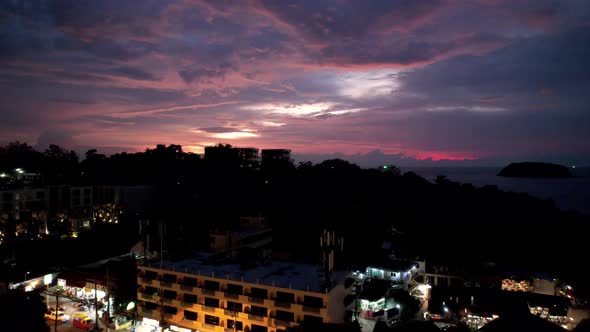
(214, 302)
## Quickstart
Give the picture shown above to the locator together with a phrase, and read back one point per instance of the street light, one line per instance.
(26, 275)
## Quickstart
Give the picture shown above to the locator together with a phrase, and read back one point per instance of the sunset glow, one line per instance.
(458, 80)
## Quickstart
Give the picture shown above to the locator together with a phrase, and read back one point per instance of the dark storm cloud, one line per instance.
(543, 62)
(332, 20)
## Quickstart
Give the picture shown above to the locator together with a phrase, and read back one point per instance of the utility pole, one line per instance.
(108, 299)
(96, 307)
(56, 308)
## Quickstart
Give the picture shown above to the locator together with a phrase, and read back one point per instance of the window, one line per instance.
(189, 298)
(235, 289)
(285, 315)
(151, 275)
(285, 297)
(151, 305)
(210, 302)
(258, 311)
(150, 290)
(168, 294)
(169, 277)
(258, 328)
(312, 301)
(213, 320)
(213, 285)
(234, 306)
(188, 281)
(260, 293)
(190, 315)
(170, 310)
(230, 325)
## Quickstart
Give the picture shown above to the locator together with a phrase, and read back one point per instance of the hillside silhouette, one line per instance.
(446, 222)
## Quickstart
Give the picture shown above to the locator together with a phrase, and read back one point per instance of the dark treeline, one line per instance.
(444, 221)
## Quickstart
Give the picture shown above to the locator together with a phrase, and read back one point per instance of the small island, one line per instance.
(535, 170)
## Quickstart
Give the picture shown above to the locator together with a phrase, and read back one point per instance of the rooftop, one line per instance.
(305, 277)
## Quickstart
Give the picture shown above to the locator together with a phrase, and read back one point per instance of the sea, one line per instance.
(567, 193)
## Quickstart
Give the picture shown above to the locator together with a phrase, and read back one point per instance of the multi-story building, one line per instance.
(15, 202)
(249, 157)
(193, 296)
(269, 155)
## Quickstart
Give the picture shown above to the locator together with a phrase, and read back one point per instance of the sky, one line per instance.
(436, 82)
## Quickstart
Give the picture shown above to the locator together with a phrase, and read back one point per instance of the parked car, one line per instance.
(59, 316)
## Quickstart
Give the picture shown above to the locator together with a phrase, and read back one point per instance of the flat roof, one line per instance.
(394, 265)
(289, 275)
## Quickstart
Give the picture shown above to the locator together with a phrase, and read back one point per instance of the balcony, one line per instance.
(172, 302)
(255, 300)
(165, 284)
(209, 309)
(145, 311)
(280, 304)
(187, 305)
(314, 310)
(256, 317)
(282, 323)
(206, 291)
(169, 317)
(145, 281)
(231, 296)
(187, 288)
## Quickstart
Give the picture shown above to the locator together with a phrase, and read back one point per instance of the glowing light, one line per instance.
(47, 279)
(482, 109)
(234, 135)
(2, 175)
(369, 83)
(271, 124)
(130, 305)
(292, 109)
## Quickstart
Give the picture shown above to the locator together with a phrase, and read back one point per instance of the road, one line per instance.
(70, 310)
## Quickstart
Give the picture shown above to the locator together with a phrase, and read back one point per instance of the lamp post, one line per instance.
(26, 273)
(57, 293)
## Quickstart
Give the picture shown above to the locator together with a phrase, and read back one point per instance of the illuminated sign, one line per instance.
(150, 322)
(47, 279)
(97, 286)
(61, 282)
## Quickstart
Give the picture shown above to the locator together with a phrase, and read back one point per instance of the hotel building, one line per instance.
(191, 296)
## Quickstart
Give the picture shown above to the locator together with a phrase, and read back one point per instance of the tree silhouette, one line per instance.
(22, 311)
